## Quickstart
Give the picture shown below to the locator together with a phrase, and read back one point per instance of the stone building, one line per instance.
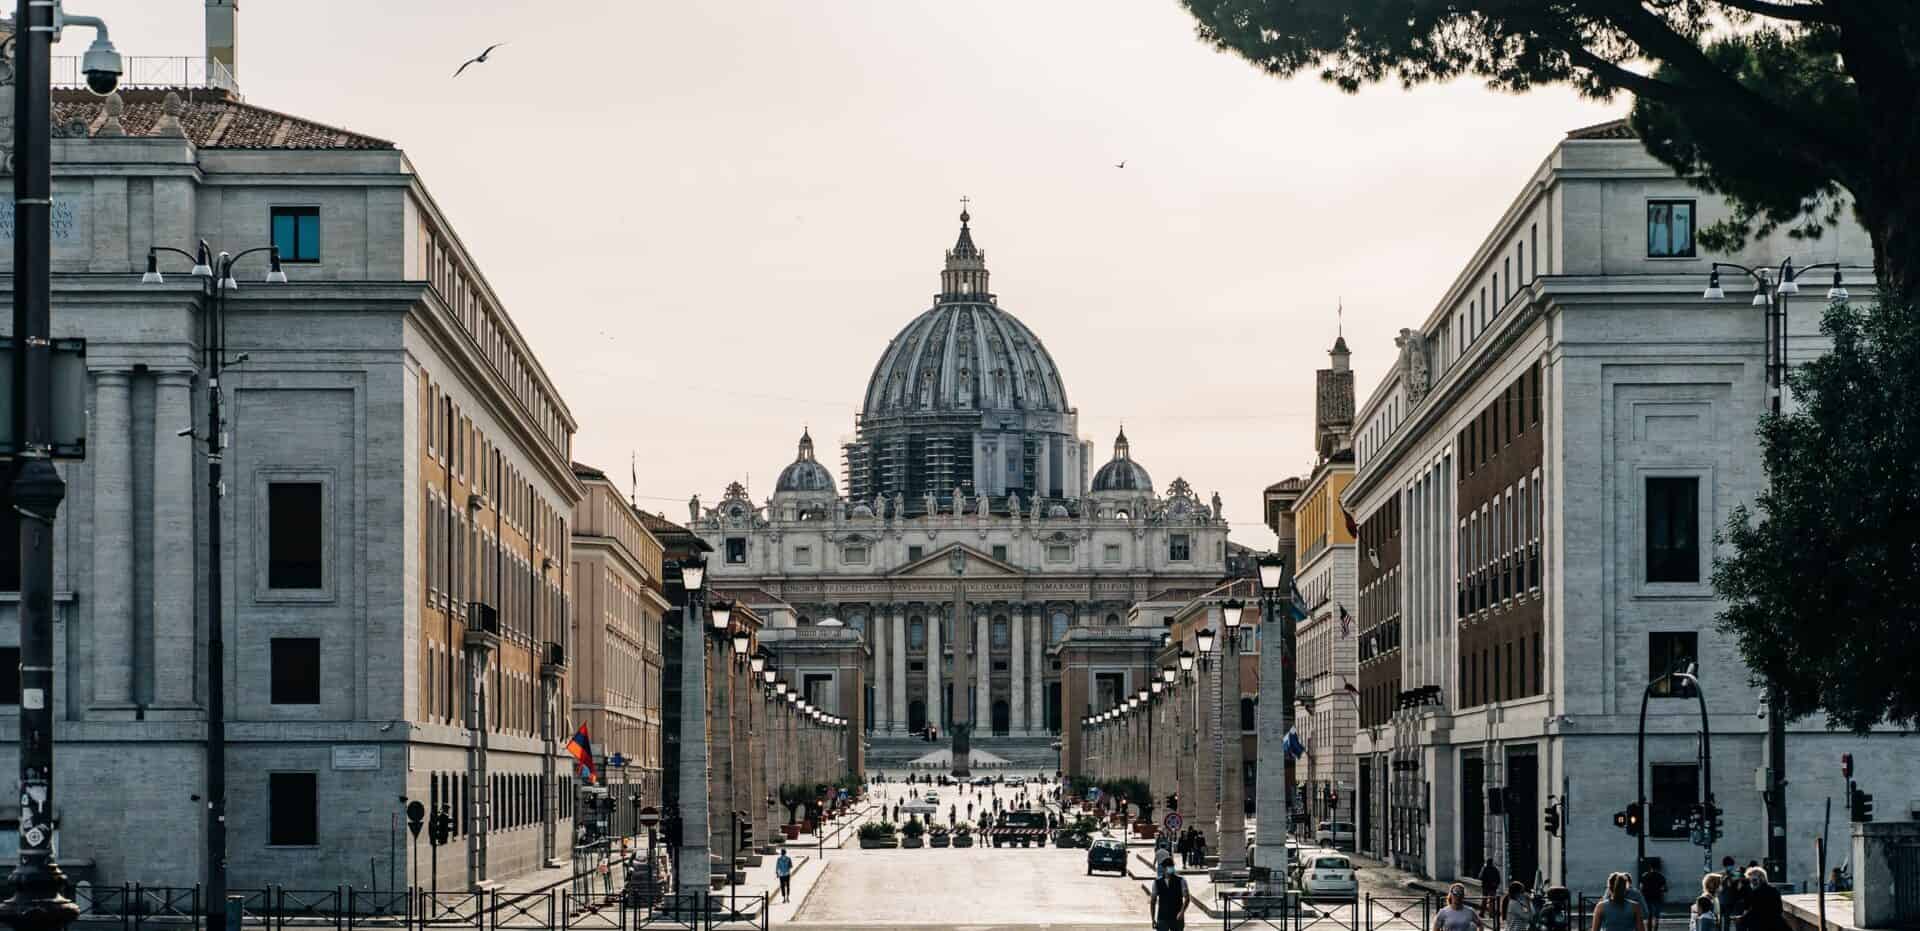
(1325, 707)
(966, 447)
(1537, 483)
(395, 516)
(617, 669)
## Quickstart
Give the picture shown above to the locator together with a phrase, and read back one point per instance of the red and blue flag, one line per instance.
(581, 749)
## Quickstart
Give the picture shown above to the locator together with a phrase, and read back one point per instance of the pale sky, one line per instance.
(708, 218)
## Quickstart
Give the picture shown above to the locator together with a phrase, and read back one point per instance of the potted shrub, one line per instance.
(912, 833)
(872, 833)
(963, 835)
(939, 836)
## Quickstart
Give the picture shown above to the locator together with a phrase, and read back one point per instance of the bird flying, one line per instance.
(1122, 164)
(477, 59)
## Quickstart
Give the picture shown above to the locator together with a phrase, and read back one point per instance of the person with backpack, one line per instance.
(1653, 891)
(1618, 912)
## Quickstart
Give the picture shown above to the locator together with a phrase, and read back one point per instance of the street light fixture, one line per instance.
(1205, 636)
(1167, 674)
(1157, 686)
(1273, 567)
(758, 662)
(741, 640)
(1230, 611)
(768, 675)
(1186, 660)
(693, 572)
(722, 611)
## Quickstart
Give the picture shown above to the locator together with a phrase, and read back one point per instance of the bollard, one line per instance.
(231, 920)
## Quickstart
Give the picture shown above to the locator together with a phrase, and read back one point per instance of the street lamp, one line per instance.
(722, 615)
(1273, 568)
(1230, 611)
(218, 274)
(1205, 636)
(741, 640)
(1167, 674)
(1186, 661)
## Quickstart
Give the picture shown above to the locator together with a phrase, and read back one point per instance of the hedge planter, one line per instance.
(792, 831)
(964, 840)
(911, 843)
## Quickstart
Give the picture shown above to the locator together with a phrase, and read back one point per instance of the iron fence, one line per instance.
(135, 907)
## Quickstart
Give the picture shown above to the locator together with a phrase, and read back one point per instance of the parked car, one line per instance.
(1334, 834)
(1107, 853)
(1327, 874)
(1016, 780)
(983, 780)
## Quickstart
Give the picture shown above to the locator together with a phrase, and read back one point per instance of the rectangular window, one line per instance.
(296, 233)
(295, 535)
(1675, 790)
(295, 665)
(1673, 529)
(1000, 552)
(293, 815)
(917, 634)
(1059, 553)
(9, 675)
(736, 550)
(1669, 229)
(1670, 651)
(914, 553)
(1177, 548)
(856, 556)
(803, 555)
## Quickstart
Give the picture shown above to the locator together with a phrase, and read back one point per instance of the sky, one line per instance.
(707, 219)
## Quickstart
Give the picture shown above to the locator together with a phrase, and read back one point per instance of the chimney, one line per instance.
(223, 35)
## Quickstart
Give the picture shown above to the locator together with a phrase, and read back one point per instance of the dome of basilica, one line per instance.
(965, 354)
(1122, 473)
(806, 473)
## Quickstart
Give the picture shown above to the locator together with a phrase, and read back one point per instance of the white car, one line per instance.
(1327, 874)
(1016, 780)
(1334, 834)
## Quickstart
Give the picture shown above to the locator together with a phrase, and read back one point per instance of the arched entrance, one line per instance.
(1002, 718)
(916, 716)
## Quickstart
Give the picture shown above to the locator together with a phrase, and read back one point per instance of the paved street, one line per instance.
(980, 885)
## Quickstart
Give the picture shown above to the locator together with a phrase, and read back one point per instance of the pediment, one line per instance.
(934, 565)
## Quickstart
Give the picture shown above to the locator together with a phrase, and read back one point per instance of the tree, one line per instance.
(1817, 586)
(1789, 108)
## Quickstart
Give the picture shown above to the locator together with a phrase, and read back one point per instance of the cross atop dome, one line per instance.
(965, 274)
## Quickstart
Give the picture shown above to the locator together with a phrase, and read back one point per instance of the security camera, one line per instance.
(102, 67)
(186, 432)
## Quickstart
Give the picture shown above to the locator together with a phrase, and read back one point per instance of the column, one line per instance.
(982, 716)
(1037, 719)
(933, 666)
(876, 628)
(173, 544)
(1205, 779)
(692, 869)
(898, 722)
(1017, 669)
(112, 456)
(1233, 792)
(1270, 723)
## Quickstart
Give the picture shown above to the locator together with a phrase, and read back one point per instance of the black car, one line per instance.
(1107, 853)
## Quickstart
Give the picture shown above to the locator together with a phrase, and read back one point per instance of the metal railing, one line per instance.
(153, 71)
(136, 907)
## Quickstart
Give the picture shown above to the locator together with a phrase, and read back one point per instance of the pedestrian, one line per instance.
(1455, 915)
(1168, 904)
(1837, 882)
(1618, 912)
(953, 814)
(1764, 909)
(783, 870)
(1733, 901)
(1516, 910)
(1490, 889)
(1703, 918)
(1199, 849)
(969, 811)
(1653, 890)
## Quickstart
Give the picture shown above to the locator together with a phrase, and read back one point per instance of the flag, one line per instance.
(581, 749)
(1346, 622)
(1296, 602)
(1293, 746)
(633, 468)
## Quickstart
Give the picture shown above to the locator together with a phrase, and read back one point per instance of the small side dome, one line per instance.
(1122, 474)
(1058, 510)
(831, 622)
(806, 474)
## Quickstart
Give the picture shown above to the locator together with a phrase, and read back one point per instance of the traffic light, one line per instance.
(1846, 766)
(1552, 820)
(1859, 804)
(1629, 819)
(440, 827)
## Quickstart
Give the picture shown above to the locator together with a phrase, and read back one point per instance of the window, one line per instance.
(736, 550)
(917, 633)
(296, 670)
(1246, 714)
(914, 553)
(1676, 788)
(1673, 529)
(293, 803)
(1059, 552)
(1000, 635)
(1000, 552)
(1178, 549)
(1670, 651)
(295, 532)
(296, 233)
(1111, 554)
(9, 675)
(856, 556)
(1669, 229)
(803, 555)
(1058, 627)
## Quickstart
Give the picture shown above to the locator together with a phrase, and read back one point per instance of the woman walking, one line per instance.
(1616, 912)
(1516, 909)
(1456, 914)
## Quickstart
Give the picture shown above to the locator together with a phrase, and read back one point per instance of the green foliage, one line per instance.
(1817, 583)
(876, 830)
(1086, 824)
(1134, 791)
(1787, 107)
(913, 829)
(793, 795)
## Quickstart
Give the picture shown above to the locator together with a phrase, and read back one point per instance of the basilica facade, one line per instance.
(969, 496)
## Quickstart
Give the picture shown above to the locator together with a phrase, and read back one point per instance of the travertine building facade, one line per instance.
(395, 516)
